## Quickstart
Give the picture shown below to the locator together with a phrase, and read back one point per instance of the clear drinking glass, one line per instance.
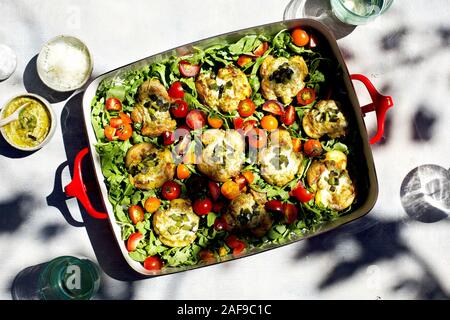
(358, 12)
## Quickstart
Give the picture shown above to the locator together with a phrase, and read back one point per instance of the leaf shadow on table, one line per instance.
(377, 241)
(34, 84)
(14, 212)
(99, 232)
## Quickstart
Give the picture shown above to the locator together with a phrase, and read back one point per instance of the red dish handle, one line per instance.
(76, 188)
(380, 104)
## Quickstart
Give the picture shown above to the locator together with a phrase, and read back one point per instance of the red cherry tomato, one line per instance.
(113, 104)
(246, 108)
(124, 132)
(244, 60)
(153, 263)
(136, 214)
(196, 119)
(121, 120)
(261, 49)
(218, 206)
(301, 193)
(125, 118)
(115, 122)
(290, 212)
(134, 240)
(214, 190)
(257, 138)
(274, 206)
(109, 132)
(288, 117)
(273, 107)
(296, 144)
(238, 123)
(179, 109)
(168, 138)
(234, 243)
(312, 148)
(170, 190)
(187, 69)
(176, 90)
(206, 255)
(300, 37)
(241, 181)
(220, 224)
(202, 206)
(306, 96)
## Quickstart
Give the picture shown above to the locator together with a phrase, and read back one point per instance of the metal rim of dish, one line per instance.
(51, 131)
(64, 38)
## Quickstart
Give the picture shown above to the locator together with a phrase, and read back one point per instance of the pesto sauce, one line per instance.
(33, 124)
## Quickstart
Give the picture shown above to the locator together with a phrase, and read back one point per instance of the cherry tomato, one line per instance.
(183, 171)
(136, 213)
(274, 206)
(241, 181)
(220, 224)
(206, 255)
(214, 190)
(257, 138)
(125, 118)
(152, 204)
(168, 138)
(249, 176)
(217, 207)
(312, 148)
(113, 104)
(261, 49)
(300, 37)
(153, 263)
(202, 206)
(234, 243)
(176, 90)
(306, 96)
(296, 144)
(230, 190)
(246, 108)
(115, 122)
(301, 193)
(238, 123)
(214, 122)
(170, 190)
(288, 117)
(134, 240)
(179, 109)
(273, 107)
(196, 119)
(187, 69)
(124, 132)
(243, 60)
(118, 121)
(269, 123)
(290, 212)
(110, 132)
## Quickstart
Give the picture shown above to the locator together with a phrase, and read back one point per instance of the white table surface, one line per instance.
(385, 255)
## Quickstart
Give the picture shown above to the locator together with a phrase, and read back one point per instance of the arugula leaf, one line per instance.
(245, 45)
